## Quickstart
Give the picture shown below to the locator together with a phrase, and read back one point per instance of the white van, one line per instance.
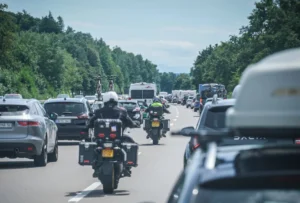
(142, 90)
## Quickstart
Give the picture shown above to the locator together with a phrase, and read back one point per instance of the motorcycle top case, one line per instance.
(158, 110)
(86, 153)
(132, 150)
(107, 127)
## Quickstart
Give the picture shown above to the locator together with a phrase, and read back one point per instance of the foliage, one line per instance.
(39, 59)
(274, 25)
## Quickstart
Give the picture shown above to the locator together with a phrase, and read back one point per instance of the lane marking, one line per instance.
(177, 116)
(175, 119)
(171, 124)
(85, 192)
(140, 153)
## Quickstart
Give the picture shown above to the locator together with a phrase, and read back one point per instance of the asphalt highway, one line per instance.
(66, 181)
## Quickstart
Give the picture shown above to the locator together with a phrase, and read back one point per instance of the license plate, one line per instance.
(107, 153)
(5, 125)
(63, 121)
(155, 123)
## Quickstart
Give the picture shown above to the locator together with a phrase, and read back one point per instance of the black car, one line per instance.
(73, 116)
(133, 109)
(246, 173)
(212, 118)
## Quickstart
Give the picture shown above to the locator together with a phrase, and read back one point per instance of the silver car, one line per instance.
(26, 131)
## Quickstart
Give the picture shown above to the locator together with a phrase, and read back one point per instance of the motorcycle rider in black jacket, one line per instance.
(111, 110)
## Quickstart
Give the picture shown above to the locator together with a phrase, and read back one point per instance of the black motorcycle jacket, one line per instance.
(112, 112)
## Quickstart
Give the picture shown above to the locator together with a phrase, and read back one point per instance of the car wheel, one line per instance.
(42, 159)
(53, 156)
(195, 110)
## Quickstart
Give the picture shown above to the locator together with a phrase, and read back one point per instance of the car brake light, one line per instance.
(129, 98)
(28, 123)
(83, 116)
(297, 141)
(101, 135)
(112, 136)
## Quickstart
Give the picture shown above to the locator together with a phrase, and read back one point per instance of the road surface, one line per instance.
(66, 181)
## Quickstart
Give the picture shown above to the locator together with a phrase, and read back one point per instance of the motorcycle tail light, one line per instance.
(112, 136)
(101, 135)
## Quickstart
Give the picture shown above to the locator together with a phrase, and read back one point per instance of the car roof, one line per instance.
(56, 100)
(17, 101)
(279, 99)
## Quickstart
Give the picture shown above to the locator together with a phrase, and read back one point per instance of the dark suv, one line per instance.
(73, 116)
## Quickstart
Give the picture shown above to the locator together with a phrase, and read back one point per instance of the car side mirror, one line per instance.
(187, 130)
(53, 116)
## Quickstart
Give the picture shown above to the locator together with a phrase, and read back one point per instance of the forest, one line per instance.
(274, 25)
(41, 57)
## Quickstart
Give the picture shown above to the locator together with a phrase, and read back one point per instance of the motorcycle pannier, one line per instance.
(132, 150)
(166, 124)
(104, 128)
(86, 153)
(147, 124)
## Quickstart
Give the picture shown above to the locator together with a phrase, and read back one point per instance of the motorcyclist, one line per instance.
(157, 103)
(145, 103)
(110, 110)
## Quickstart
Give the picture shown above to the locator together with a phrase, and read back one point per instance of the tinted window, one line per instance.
(137, 94)
(247, 196)
(65, 108)
(91, 97)
(13, 110)
(148, 94)
(215, 117)
(12, 96)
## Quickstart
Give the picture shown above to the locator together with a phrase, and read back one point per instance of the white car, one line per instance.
(189, 103)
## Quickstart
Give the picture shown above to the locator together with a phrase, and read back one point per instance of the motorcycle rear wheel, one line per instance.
(108, 183)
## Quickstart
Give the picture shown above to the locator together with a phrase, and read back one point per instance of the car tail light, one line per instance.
(112, 136)
(129, 98)
(195, 143)
(83, 116)
(28, 123)
(137, 109)
(297, 141)
(101, 135)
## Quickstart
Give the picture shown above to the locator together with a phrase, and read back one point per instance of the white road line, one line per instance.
(140, 153)
(85, 192)
(177, 116)
(175, 119)
(171, 124)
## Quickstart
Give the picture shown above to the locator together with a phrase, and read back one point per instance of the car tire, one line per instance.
(42, 159)
(195, 110)
(53, 156)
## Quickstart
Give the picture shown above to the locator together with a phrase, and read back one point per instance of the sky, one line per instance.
(170, 33)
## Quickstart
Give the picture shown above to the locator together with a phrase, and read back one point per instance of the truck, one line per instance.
(142, 91)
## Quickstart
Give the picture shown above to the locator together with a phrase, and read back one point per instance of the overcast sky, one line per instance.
(170, 33)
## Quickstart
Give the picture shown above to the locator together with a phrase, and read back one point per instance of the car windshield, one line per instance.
(12, 96)
(91, 97)
(65, 108)
(215, 117)
(13, 110)
(247, 196)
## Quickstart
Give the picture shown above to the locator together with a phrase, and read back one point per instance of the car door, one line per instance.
(49, 126)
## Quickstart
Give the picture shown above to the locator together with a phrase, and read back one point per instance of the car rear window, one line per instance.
(215, 117)
(91, 97)
(13, 96)
(65, 108)
(13, 110)
(247, 196)
(127, 104)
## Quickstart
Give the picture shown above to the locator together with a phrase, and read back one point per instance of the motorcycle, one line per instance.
(155, 124)
(112, 153)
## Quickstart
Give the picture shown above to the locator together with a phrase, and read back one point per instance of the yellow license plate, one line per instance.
(155, 123)
(107, 153)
